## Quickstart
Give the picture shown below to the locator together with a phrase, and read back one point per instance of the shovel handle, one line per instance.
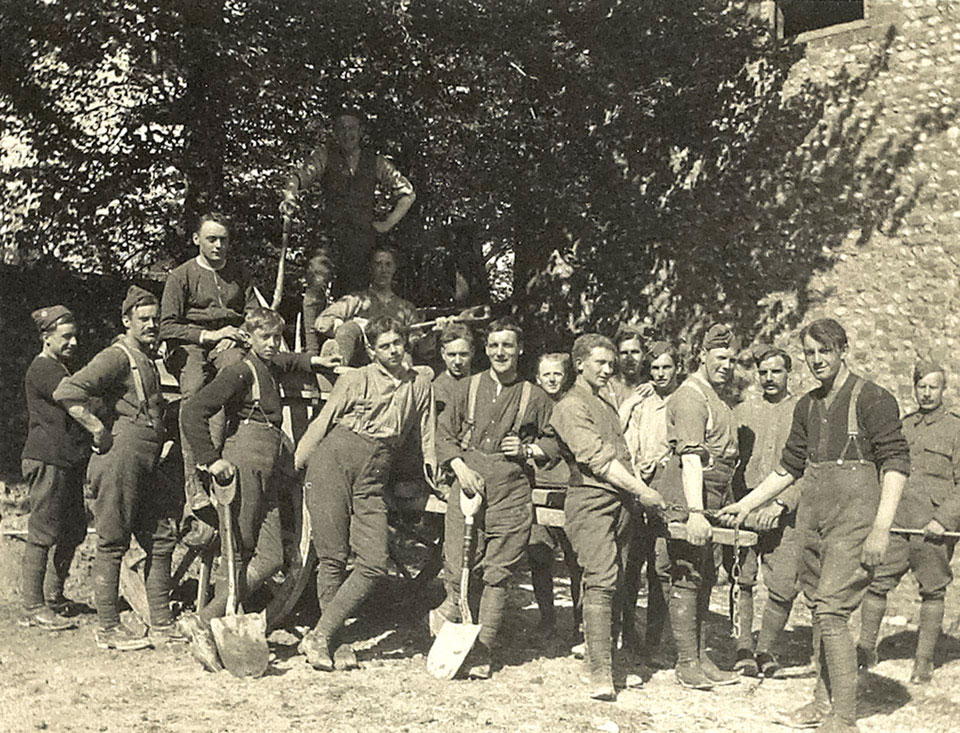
(226, 544)
(466, 558)
(906, 530)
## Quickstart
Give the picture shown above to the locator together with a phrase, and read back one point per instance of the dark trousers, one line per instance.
(644, 531)
(928, 559)
(255, 449)
(344, 495)
(598, 525)
(131, 500)
(195, 366)
(57, 518)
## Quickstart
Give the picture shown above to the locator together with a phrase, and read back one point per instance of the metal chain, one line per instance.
(735, 583)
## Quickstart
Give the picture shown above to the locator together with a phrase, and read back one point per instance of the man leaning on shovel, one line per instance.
(494, 424)
(248, 393)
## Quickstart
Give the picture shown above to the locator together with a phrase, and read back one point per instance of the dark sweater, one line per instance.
(232, 389)
(53, 436)
(196, 299)
(819, 434)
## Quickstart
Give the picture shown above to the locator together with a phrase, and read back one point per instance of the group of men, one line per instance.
(647, 461)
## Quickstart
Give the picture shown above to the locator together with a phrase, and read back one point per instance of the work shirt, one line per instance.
(933, 489)
(232, 389)
(53, 437)
(589, 430)
(371, 305)
(763, 430)
(700, 423)
(313, 304)
(108, 381)
(495, 415)
(819, 433)
(646, 434)
(198, 298)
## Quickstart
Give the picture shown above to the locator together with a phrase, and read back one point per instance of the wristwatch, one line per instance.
(782, 503)
(527, 451)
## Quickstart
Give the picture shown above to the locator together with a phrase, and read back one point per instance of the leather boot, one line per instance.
(597, 622)
(872, 609)
(931, 620)
(492, 603)
(840, 655)
(683, 620)
(717, 676)
(746, 664)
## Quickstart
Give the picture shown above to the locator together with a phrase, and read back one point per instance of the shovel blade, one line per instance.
(242, 643)
(450, 649)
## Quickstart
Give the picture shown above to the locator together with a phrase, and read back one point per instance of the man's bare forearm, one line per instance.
(891, 487)
(691, 476)
(773, 485)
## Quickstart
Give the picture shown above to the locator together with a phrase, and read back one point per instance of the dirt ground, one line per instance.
(61, 682)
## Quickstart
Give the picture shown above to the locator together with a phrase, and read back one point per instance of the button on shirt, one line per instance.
(932, 489)
(763, 430)
(700, 423)
(197, 298)
(589, 430)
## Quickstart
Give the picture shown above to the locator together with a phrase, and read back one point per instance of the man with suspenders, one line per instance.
(122, 475)
(494, 424)
(845, 434)
(248, 392)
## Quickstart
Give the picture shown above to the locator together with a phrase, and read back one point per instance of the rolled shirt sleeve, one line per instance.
(687, 417)
(392, 183)
(880, 416)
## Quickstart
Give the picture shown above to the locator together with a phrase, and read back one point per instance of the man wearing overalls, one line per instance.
(494, 425)
(845, 433)
(248, 392)
(122, 475)
(702, 432)
(371, 413)
(930, 503)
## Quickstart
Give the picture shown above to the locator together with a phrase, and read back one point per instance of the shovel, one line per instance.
(454, 641)
(241, 637)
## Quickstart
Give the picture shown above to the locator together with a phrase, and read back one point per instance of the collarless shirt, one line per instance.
(763, 428)
(196, 298)
(699, 422)
(933, 489)
(53, 437)
(589, 430)
(819, 433)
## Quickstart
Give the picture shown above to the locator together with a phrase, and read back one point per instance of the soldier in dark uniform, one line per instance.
(847, 443)
(931, 502)
(130, 498)
(350, 175)
(54, 459)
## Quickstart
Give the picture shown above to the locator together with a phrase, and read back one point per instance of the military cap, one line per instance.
(137, 296)
(923, 368)
(720, 336)
(47, 318)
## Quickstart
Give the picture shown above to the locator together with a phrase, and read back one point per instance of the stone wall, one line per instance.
(893, 286)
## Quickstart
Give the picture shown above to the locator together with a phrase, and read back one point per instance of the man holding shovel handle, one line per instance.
(248, 392)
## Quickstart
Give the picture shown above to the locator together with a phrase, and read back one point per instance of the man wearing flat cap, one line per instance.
(122, 476)
(53, 462)
(931, 503)
(350, 175)
(847, 443)
(702, 433)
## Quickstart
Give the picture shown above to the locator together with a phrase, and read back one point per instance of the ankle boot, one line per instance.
(597, 618)
(872, 609)
(683, 620)
(931, 620)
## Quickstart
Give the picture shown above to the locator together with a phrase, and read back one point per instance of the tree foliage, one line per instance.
(632, 160)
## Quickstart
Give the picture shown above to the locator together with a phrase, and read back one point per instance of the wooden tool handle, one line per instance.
(465, 558)
(908, 530)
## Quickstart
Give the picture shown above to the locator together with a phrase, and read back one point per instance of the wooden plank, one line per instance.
(721, 535)
(548, 516)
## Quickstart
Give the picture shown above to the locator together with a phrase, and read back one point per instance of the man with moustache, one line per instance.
(931, 502)
(845, 434)
(596, 515)
(702, 432)
(764, 423)
(122, 475)
(53, 461)
(494, 425)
